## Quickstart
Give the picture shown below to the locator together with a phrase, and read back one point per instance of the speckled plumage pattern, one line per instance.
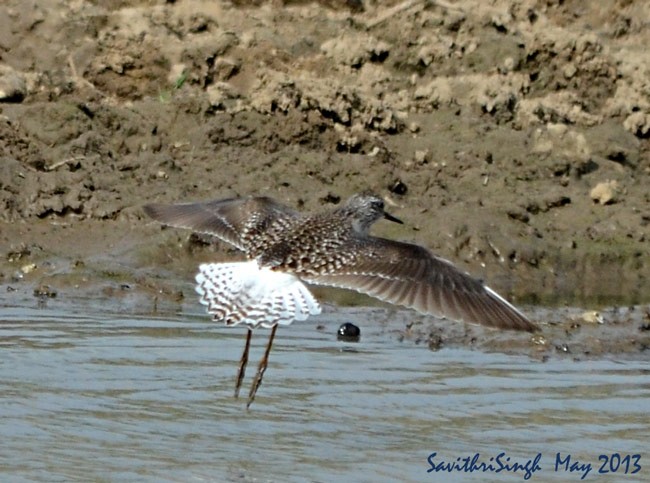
(242, 292)
(334, 248)
(285, 248)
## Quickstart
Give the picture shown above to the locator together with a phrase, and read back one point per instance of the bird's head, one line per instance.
(364, 209)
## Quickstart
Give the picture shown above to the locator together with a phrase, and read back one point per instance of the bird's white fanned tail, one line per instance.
(243, 292)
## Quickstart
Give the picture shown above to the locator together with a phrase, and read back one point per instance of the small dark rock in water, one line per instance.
(348, 333)
(435, 342)
(562, 348)
(44, 291)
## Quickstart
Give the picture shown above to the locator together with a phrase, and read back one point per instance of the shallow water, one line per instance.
(96, 396)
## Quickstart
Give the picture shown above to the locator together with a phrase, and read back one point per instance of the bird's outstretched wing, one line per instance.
(232, 220)
(410, 275)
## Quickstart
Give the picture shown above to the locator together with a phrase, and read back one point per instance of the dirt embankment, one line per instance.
(512, 136)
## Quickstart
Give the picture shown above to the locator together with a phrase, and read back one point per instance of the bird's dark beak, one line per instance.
(390, 217)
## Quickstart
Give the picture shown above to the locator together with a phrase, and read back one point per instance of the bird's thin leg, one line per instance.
(243, 362)
(262, 368)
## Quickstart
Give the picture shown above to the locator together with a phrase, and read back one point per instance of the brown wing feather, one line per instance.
(409, 275)
(227, 219)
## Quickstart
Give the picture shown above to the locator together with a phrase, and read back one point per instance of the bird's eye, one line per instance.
(378, 204)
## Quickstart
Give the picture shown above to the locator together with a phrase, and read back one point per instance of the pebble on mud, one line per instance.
(222, 95)
(13, 87)
(605, 193)
(422, 156)
(592, 317)
(28, 268)
(398, 187)
(638, 124)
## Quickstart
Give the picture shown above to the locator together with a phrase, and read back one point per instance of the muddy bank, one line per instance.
(512, 137)
(622, 333)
